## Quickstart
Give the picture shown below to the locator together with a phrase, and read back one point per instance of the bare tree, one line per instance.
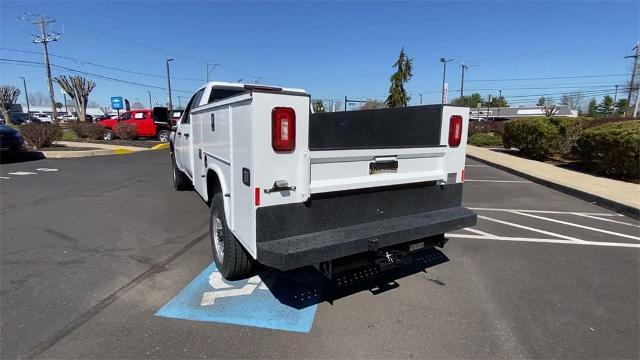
(106, 110)
(573, 100)
(78, 88)
(38, 99)
(8, 96)
(137, 105)
(550, 110)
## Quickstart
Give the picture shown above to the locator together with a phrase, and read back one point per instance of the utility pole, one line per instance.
(213, 66)
(488, 107)
(615, 95)
(64, 98)
(420, 99)
(464, 68)
(44, 38)
(169, 84)
(633, 79)
(26, 96)
(345, 103)
(444, 76)
(150, 105)
(499, 102)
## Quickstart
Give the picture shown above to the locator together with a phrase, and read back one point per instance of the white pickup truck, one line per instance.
(288, 188)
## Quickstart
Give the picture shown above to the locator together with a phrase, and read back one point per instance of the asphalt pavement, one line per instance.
(101, 258)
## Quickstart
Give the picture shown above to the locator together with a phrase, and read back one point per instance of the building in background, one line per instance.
(506, 113)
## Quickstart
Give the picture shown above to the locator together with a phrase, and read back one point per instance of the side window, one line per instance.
(194, 100)
(139, 116)
(125, 116)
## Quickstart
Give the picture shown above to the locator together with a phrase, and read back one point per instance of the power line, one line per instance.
(553, 77)
(30, 63)
(83, 62)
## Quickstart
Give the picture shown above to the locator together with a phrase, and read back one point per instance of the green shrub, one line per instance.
(125, 131)
(38, 135)
(569, 129)
(487, 139)
(87, 130)
(536, 138)
(612, 148)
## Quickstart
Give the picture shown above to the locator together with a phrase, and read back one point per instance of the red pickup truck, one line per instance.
(149, 123)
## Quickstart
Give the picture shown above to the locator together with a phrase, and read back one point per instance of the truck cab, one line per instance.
(288, 188)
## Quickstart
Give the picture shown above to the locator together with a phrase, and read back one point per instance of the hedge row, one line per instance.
(606, 146)
(611, 149)
(39, 135)
(87, 130)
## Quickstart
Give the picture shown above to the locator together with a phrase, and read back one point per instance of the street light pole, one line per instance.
(150, 105)
(444, 76)
(169, 85)
(26, 95)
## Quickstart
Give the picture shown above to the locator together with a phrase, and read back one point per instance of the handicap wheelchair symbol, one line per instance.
(249, 302)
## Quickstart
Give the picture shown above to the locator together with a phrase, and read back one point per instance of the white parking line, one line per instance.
(531, 229)
(577, 225)
(499, 181)
(4, 177)
(22, 173)
(46, 169)
(608, 220)
(544, 211)
(473, 165)
(555, 241)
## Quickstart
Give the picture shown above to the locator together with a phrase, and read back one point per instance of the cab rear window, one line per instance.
(219, 94)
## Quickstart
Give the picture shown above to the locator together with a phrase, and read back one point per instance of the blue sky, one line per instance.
(331, 49)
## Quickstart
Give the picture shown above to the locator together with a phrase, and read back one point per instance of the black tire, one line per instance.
(236, 263)
(180, 180)
(108, 134)
(163, 135)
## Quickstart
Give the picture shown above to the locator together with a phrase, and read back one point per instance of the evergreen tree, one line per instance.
(397, 94)
(620, 106)
(606, 106)
(471, 101)
(593, 107)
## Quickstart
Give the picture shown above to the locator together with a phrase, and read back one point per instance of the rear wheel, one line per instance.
(108, 134)
(163, 135)
(180, 180)
(231, 258)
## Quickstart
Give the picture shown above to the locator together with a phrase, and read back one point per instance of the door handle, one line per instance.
(186, 135)
(179, 133)
(213, 122)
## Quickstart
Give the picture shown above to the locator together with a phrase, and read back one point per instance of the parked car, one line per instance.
(288, 188)
(18, 119)
(43, 117)
(10, 139)
(69, 117)
(149, 123)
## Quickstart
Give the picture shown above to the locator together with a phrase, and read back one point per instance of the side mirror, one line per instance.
(174, 128)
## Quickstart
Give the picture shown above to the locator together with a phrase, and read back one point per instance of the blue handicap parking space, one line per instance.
(249, 302)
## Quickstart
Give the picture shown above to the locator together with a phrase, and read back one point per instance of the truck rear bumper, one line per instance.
(328, 228)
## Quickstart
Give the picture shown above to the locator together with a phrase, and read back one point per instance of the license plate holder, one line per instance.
(386, 166)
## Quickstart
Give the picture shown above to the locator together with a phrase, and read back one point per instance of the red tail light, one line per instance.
(283, 129)
(256, 197)
(455, 130)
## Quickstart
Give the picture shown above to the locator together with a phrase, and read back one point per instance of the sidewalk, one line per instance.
(616, 195)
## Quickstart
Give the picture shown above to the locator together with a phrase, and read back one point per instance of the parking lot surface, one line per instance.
(101, 258)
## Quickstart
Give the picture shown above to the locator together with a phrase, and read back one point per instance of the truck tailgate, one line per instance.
(380, 147)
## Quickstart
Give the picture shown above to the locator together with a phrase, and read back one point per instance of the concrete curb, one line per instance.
(82, 153)
(160, 146)
(102, 149)
(592, 198)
